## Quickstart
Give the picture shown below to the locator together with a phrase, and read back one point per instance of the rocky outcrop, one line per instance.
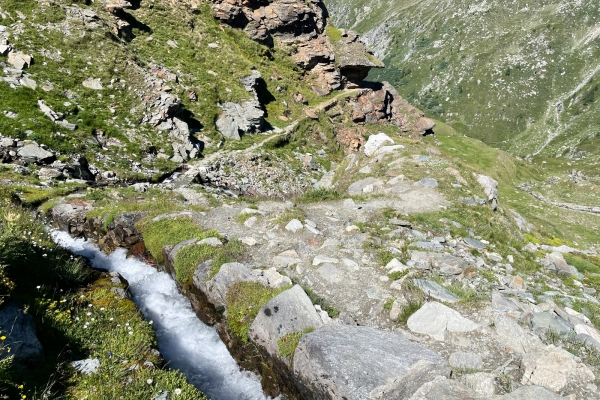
(281, 19)
(246, 117)
(20, 155)
(383, 104)
(354, 59)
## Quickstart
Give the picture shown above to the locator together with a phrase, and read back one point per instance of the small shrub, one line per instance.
(316, 195)
(398, 274)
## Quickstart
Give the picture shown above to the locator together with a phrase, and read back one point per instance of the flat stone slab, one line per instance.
(435, 319)
(474, 243)
(359, 362)
(436, 291)
(542, 322)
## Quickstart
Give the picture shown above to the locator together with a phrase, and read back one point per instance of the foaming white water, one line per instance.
(183, 340)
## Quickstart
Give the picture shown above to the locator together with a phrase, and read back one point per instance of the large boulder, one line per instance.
(353, 57)
(35, 153)
(490, 188)
(237, 119)
(289, 312)
(19, 329)
(359, 362)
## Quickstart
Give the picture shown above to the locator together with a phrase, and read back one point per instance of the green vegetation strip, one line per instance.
(79, 317)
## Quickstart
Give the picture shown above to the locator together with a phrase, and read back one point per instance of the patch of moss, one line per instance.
(287, 343)
(168, 232)
(244, 300)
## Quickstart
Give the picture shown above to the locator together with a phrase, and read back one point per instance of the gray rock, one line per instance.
(542, 322)
(66, 124)
(286, 258)
(35, 152)
(441, 388)
(89, 366)
(320, 259)
(474, 243)
(530, 393)
(366, 185)
(428, 182)
(556, 262)
(49, 173)
(19, 330)
(490, 188)
(554, 369)
(330, 273)
(8, 142)
(92, 83)
(211, 241)
(465, 360)
(482, 383)
(428, 246)
(237, 119)
(375, 142)
(294, 225)
(435, 319)
(513, 336)
(521, 222)
(289, 312)
(359, 362)
(166, 395)
(436, 291)
(504, 304)
(231, 273)
(20, 60)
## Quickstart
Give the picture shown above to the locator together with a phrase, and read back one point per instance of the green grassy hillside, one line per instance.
(519, 75)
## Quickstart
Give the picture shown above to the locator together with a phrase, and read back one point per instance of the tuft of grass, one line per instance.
(241, 218)
(316, 195)
(316, 299)
(582, 264)
(398, 274)
(410, 309)
(335, 34)
(389, 303)
(244, 300)
(287, 343)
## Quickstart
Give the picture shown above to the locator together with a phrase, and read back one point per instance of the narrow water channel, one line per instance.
(184, 341)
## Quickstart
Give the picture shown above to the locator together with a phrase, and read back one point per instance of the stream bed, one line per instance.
(185, 342)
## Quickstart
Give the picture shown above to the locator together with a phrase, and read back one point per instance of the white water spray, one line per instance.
(183, 340)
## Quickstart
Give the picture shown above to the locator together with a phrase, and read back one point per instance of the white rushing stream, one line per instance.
(183, 340)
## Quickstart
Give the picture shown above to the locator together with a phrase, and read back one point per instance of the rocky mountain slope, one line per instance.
(322, 224)
(520, 75)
